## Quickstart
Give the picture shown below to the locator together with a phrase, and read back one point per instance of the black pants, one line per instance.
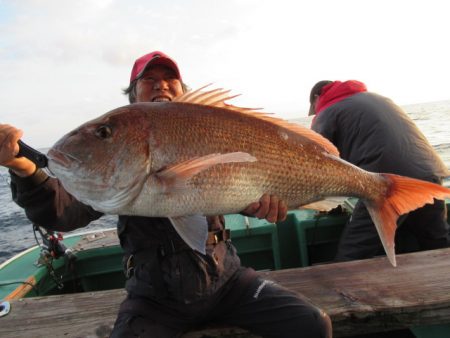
(422, 229)
(262, 307)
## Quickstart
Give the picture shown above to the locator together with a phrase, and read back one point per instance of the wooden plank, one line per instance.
(370, 295)
(96, 240)
(89, 314)
(360, 297)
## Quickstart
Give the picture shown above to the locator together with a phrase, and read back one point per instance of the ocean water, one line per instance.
(433, 119)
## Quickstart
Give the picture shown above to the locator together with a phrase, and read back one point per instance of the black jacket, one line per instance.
(375, 134)
(164, 267)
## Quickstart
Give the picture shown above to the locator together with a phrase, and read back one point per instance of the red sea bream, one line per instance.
(200, 156)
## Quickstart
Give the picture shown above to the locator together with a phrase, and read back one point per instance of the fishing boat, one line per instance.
(72, 286)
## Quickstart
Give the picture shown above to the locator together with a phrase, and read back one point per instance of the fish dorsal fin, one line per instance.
(217, 97)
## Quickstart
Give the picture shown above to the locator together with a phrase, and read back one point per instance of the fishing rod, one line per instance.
(52, 246)
(32, 154)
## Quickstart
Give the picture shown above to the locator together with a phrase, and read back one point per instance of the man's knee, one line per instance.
(323, 323)
(129, 325)
(314, 323)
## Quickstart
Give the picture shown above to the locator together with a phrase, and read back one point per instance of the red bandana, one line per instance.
(337, 91)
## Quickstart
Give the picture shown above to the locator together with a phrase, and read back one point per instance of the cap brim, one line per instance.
(163, 62)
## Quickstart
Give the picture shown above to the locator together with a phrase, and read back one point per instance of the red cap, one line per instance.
(154, 58)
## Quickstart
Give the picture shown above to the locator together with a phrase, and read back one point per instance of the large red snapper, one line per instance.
(200, 156)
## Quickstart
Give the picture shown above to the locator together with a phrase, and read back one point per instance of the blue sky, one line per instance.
(65, 62)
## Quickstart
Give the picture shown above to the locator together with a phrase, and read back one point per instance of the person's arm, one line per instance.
(9, 148)
(48, 204)
(269, 207)
(44, 199)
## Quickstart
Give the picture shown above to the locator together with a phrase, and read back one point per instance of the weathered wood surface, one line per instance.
(360, 296)
(96, 240)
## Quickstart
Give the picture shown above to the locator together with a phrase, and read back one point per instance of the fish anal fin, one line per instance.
(325, 204)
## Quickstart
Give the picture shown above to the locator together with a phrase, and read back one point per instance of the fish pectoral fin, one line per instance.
(176, 176)
(193, 229)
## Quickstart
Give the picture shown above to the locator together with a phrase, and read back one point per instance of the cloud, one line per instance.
(67, 61)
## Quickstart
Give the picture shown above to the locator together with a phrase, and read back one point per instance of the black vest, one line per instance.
(162, 266)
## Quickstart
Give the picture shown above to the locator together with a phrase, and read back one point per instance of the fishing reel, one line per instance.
(52, 244)
(52, 248)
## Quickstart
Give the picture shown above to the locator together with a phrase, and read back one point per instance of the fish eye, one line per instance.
(103, 132)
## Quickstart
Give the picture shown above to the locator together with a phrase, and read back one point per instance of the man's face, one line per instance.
(157, 84)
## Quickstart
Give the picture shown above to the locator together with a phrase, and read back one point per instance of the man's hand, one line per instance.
(9, 148)
(269, 207)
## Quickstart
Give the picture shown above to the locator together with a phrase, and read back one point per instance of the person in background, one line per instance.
(171, 288)
(375, 134)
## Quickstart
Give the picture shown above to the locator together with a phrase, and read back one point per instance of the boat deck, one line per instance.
(360, 297)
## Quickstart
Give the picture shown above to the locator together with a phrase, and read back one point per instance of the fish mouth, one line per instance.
(161, 98)
(62, 159)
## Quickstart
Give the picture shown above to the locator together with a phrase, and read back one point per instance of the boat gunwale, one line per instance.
(34, 247)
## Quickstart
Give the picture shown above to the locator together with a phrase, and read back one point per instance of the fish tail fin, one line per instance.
(403, 195)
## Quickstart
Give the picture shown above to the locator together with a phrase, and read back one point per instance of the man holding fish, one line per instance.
(182, 269)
